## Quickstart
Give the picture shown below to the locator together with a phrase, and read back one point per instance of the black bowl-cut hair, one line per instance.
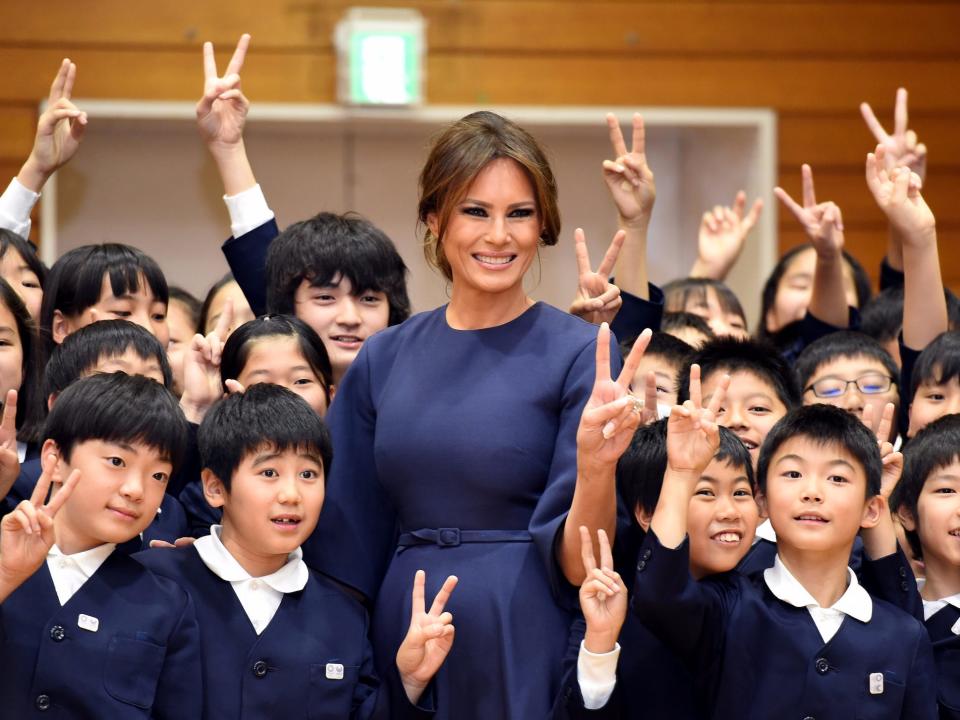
(939, 363)
(263, 416)
(730, 355)
(27, 252)
(75, 281)
(842, 344)
(680, 320)
(934, 448)
(663, 345)
(882, 317)
(119, 408)
(82, 350)
(824, 425)
(640, 469)
(328, 247)
(677, 293)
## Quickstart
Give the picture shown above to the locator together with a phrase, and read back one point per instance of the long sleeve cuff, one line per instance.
(16, 204)
(597, 676)
(248, 210)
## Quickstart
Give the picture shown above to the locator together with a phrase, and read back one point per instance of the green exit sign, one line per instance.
(380, 57)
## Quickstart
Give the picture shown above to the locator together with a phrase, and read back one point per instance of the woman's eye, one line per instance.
(475, 211)
(523, 213)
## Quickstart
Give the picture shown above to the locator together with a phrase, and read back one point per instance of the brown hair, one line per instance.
(458, 155)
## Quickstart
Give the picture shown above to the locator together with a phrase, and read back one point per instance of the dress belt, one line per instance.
(451, 537)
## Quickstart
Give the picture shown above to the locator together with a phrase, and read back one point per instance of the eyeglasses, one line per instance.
(869, 384)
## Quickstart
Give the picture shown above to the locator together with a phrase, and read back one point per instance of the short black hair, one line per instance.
(29, 403)
(938, 363)
(933, 448)
(677, 293)
(327, 247)
(119, 408)
(264, 415)
(681, 320)
(27, 252)
(882, 317)
(824, 425)
(861, 282)
(730, 355)
(663, 345)
(82, 350)
(842, 344)
(237, 349)
(76, 279)
(208, 301)
(190, 302)
(640, 469)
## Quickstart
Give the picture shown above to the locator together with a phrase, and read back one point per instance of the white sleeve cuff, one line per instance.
(597, 676)
(16, 204)
(248, 210)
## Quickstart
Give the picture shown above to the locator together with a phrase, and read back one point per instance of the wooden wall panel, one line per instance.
(812, 61)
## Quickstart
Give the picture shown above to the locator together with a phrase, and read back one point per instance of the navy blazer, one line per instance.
(946, 653)
(247, 257)
(285, 671)
(141, 661)
(754, 656)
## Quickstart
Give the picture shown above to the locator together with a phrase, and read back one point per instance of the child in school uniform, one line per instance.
(927, 501)
(279, 639)
(86, 631)
(802, 639)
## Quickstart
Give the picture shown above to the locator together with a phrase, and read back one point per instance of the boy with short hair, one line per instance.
(851, 371)
(664, 357)
(803, 638)
(265, 454)
(935, 382)
(927, 501)
(87, 631)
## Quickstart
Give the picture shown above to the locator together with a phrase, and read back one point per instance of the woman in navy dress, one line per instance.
(455, 437)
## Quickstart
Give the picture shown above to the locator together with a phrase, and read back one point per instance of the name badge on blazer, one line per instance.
(88, 622)
(876, 683)
(334, 671)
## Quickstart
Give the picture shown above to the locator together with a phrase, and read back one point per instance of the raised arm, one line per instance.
(723, 232)
(633, 191)
(597, 299)
(823, 224)
(897, 193)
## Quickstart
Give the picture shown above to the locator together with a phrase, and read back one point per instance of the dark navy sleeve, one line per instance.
(889, 277)
(908, 360)
(635, 315)
(890, 578)
(190, 467)
(180, 688)
(247, 257)
(569, 701)
(920, 696)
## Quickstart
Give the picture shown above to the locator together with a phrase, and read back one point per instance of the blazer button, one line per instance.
(809, 717)
(57, 633)
(905, 586)
(642, 565)
(260, 669)
(647, 553)
(42, 702)
(902, 571)
(822, 665)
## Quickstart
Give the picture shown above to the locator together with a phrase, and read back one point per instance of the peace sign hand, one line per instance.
(822, 222)
(723, 233)
(902, 148)
(892, 460)
(26, 534)
(629, 179)
(897, 192)
(603, 596)
(611, 414)
(222, 110)
(9, 457)
(693, 435)
(428, 639)
(597, 299)
(201, 368)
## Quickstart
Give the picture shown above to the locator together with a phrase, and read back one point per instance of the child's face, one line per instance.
(120, 489)
(751, 407)
(180, 325)
(938, 519)
(666, 374)
(933, 400)
(722, 519)
(816, 496)
(723, 323)
(833, 382)
(11, 353)
(23, 280)
(341, 319)
(241, 309)
(140, 307)
(278, 360)
(796, 287)
(273, 504)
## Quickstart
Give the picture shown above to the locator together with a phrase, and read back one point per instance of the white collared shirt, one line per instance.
(16, 203)
(855, 601)
(260, 597)
(597, 675)
(765, 531)
(70, 572)
(932, 607)
(248, 210)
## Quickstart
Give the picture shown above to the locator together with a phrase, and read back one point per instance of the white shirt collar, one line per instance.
(932, 607)
(70, 572)
(292, 577)
(855, 601)
(765, 531)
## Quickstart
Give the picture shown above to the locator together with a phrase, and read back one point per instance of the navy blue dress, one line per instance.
(455, 452)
